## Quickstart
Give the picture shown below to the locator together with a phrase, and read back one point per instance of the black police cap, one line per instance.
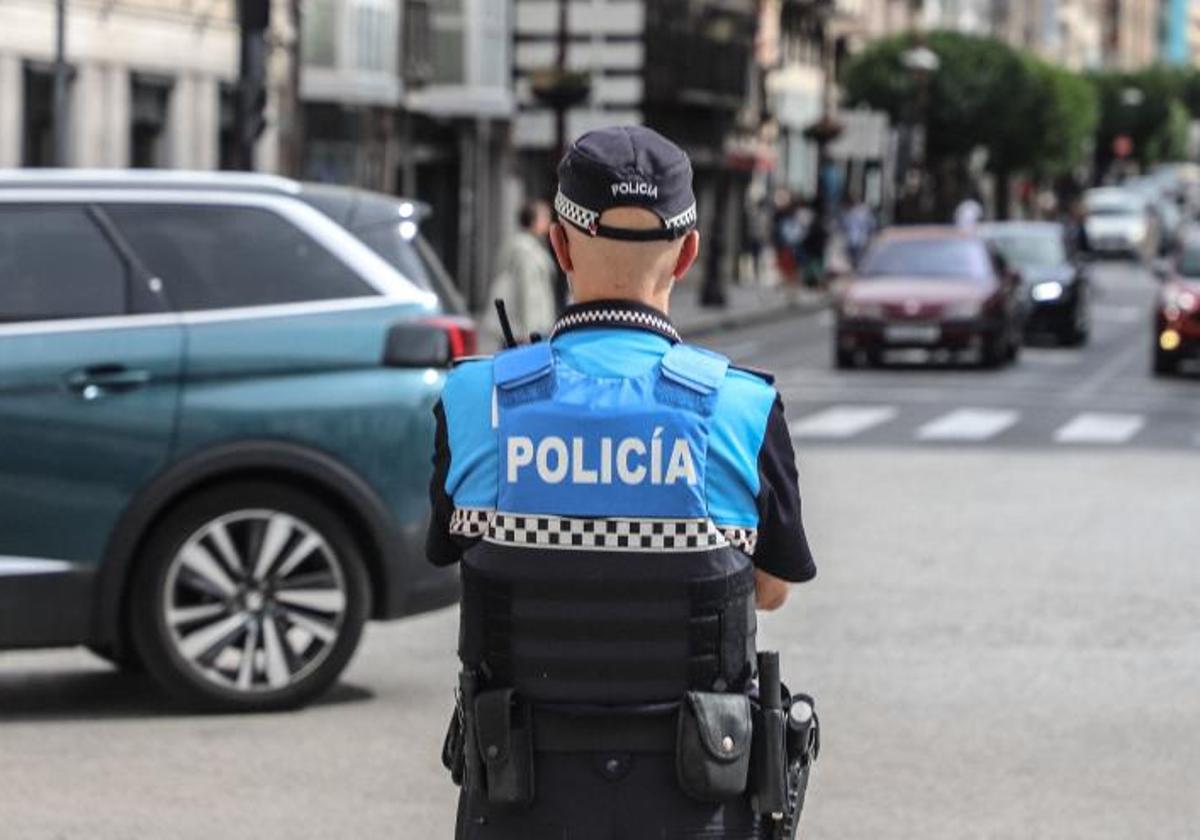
(626, 166)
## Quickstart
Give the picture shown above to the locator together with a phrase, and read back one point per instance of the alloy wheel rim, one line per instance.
(254, 600)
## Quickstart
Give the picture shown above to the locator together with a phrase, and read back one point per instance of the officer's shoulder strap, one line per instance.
(765, 376)
(522, 365)
(697, 369)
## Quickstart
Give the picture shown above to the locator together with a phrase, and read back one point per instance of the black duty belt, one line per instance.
(558, 730)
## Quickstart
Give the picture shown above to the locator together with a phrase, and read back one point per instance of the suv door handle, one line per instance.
(99, 380)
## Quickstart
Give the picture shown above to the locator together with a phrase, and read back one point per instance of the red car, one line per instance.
(1177, 313)
(937, 289)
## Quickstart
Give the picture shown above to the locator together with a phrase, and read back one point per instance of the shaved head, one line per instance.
(601, 268)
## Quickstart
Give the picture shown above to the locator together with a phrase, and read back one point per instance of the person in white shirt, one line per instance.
(526, 275)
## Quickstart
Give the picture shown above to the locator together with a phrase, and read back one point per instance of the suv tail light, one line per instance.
(432, 342)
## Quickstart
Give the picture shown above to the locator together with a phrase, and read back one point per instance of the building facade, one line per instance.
(685, 68)
(1175, 45)
(150, 84)
(1130, 33)
(415, 96)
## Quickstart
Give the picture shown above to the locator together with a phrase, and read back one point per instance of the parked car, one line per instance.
(1161, 201)
(931, 288)
(1055, 283)
(1118, 222)
(1177, 308)
(215, 424)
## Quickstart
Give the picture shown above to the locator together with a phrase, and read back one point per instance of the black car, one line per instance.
(1055, 282)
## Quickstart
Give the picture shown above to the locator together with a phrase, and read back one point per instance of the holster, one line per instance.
(712, 749)
(460, 749)
(504, 731)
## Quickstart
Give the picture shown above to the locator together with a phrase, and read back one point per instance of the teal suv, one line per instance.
(215, 424)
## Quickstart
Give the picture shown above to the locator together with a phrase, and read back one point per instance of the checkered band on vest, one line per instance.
(614, 316)
(743, 539)
(614, 534)
(470, 522)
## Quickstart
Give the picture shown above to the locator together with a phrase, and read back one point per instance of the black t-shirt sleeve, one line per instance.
(441, 549)
(782, 548)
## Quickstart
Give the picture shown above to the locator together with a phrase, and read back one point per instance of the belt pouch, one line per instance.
(712, 750)
(504, 728)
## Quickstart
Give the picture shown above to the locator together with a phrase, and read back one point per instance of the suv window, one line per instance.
(213, 257)
(56, 263)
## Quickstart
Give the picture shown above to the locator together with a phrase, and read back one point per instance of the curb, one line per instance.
(720, 320)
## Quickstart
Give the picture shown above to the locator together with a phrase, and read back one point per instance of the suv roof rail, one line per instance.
(164, 178)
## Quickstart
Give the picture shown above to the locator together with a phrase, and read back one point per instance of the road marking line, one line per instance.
(1107, 372)
(842, 421)
(1100, 428)
(968, 424)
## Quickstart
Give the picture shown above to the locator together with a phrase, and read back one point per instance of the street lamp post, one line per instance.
(60, 84)
(922, 63)
(827, 128)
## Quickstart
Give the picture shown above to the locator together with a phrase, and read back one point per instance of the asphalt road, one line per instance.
(1002, 637)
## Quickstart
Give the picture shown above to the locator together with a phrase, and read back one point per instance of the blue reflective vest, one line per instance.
(612, 481)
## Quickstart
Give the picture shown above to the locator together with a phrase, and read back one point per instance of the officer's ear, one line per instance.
(562, 247)
(687, 254)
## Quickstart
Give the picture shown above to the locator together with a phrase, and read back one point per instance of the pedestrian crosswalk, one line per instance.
(1100, 428)
(968, 424)
(984, 424)
(842, 421)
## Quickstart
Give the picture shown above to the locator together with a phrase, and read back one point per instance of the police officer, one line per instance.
(620, 502)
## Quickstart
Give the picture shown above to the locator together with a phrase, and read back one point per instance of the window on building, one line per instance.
(55, 263)
(449, 42)
(415, 50)
(212, 257)
(320, 35)
(38, 139)
(494, 46)
(150, 98)
(375, 34)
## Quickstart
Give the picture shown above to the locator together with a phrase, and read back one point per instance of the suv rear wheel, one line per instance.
(249, 597)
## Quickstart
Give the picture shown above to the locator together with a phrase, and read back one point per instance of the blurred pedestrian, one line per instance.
(758, 235)
(526, 277)
(812, 249)
(858, 226)
(968, 213)
(788, 231)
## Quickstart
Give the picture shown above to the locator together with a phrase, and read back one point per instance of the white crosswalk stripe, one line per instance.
(968, 424)
(841, 421)
(1096, 427)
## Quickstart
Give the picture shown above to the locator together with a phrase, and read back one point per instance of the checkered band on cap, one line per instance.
(684, 220)
(576, 214)
(610, 534)
(470, 522)
(599, 317)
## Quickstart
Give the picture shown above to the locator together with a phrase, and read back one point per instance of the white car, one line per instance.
(1118, 221)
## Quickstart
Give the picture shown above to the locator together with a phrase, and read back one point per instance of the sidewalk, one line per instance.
(744, 306)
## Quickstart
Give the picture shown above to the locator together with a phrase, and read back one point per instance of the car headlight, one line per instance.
(857, 309)
(1043, 292)
(963, 309)
(1181, 299)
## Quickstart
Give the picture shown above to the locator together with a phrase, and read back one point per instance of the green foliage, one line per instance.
(1028, 114)
(1152, 107)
